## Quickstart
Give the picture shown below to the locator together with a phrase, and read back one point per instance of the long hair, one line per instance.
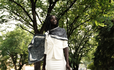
(48, 23)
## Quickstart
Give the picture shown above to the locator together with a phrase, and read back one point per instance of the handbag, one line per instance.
(36, 49)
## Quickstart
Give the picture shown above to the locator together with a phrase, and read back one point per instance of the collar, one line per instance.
(54, 28)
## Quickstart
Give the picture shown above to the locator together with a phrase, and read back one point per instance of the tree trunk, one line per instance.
(14, 58)
(77, 66)
(15, 66)
(20, 67)
(37, 65)
(109, 1)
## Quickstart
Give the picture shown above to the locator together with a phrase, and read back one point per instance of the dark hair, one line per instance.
(48, 22)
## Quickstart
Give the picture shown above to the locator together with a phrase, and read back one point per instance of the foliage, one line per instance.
(13, 48)
(87, 60)
(73, 15)
(104, 53)
(91, 66)
(80, 45)
(111, 68)
(29, 12)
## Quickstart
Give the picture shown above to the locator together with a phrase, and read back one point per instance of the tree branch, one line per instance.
(20, 61)
(74, 20)
(33, 7)
(21, 17)
(38, 17)
(23, 9)
(35, 1)
(24, 23)
(78, 16)
(67, 25)
(51, 6)
(85, 41)
(71, 31)
(83, 45)
(61, 14)
(81, 41)
(26, 29)
(71, 25)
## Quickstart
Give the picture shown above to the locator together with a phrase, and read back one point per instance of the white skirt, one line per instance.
(54, 64)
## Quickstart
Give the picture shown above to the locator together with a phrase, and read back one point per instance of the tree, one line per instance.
(80, 45)
(71, 13)
(13, 49)
(87, 60)
(104, 54)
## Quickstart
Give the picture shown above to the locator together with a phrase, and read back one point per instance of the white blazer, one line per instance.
(54, 47)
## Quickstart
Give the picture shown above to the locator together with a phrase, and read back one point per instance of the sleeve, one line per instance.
(45, 51)
(65, 43)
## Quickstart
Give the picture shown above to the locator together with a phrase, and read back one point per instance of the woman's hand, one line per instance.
(44, 63)
(43, 68)
(67, 67)
(66, 52)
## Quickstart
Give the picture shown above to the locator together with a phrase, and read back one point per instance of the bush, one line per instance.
(91, 66)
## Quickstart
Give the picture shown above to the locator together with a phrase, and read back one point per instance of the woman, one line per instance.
(56, 46)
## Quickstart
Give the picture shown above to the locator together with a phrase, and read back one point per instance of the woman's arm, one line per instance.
(44, 63)
(66, 53)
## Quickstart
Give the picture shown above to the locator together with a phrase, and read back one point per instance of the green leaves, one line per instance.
(76, 16)
(99, 24)
(21, 10)
(104, 50)
(14, 45)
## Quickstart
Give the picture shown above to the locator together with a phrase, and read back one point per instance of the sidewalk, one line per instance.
(28, 67)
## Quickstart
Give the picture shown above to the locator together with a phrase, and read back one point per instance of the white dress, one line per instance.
(54, 53)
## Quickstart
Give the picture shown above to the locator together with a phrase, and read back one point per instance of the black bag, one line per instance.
(36, 48)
